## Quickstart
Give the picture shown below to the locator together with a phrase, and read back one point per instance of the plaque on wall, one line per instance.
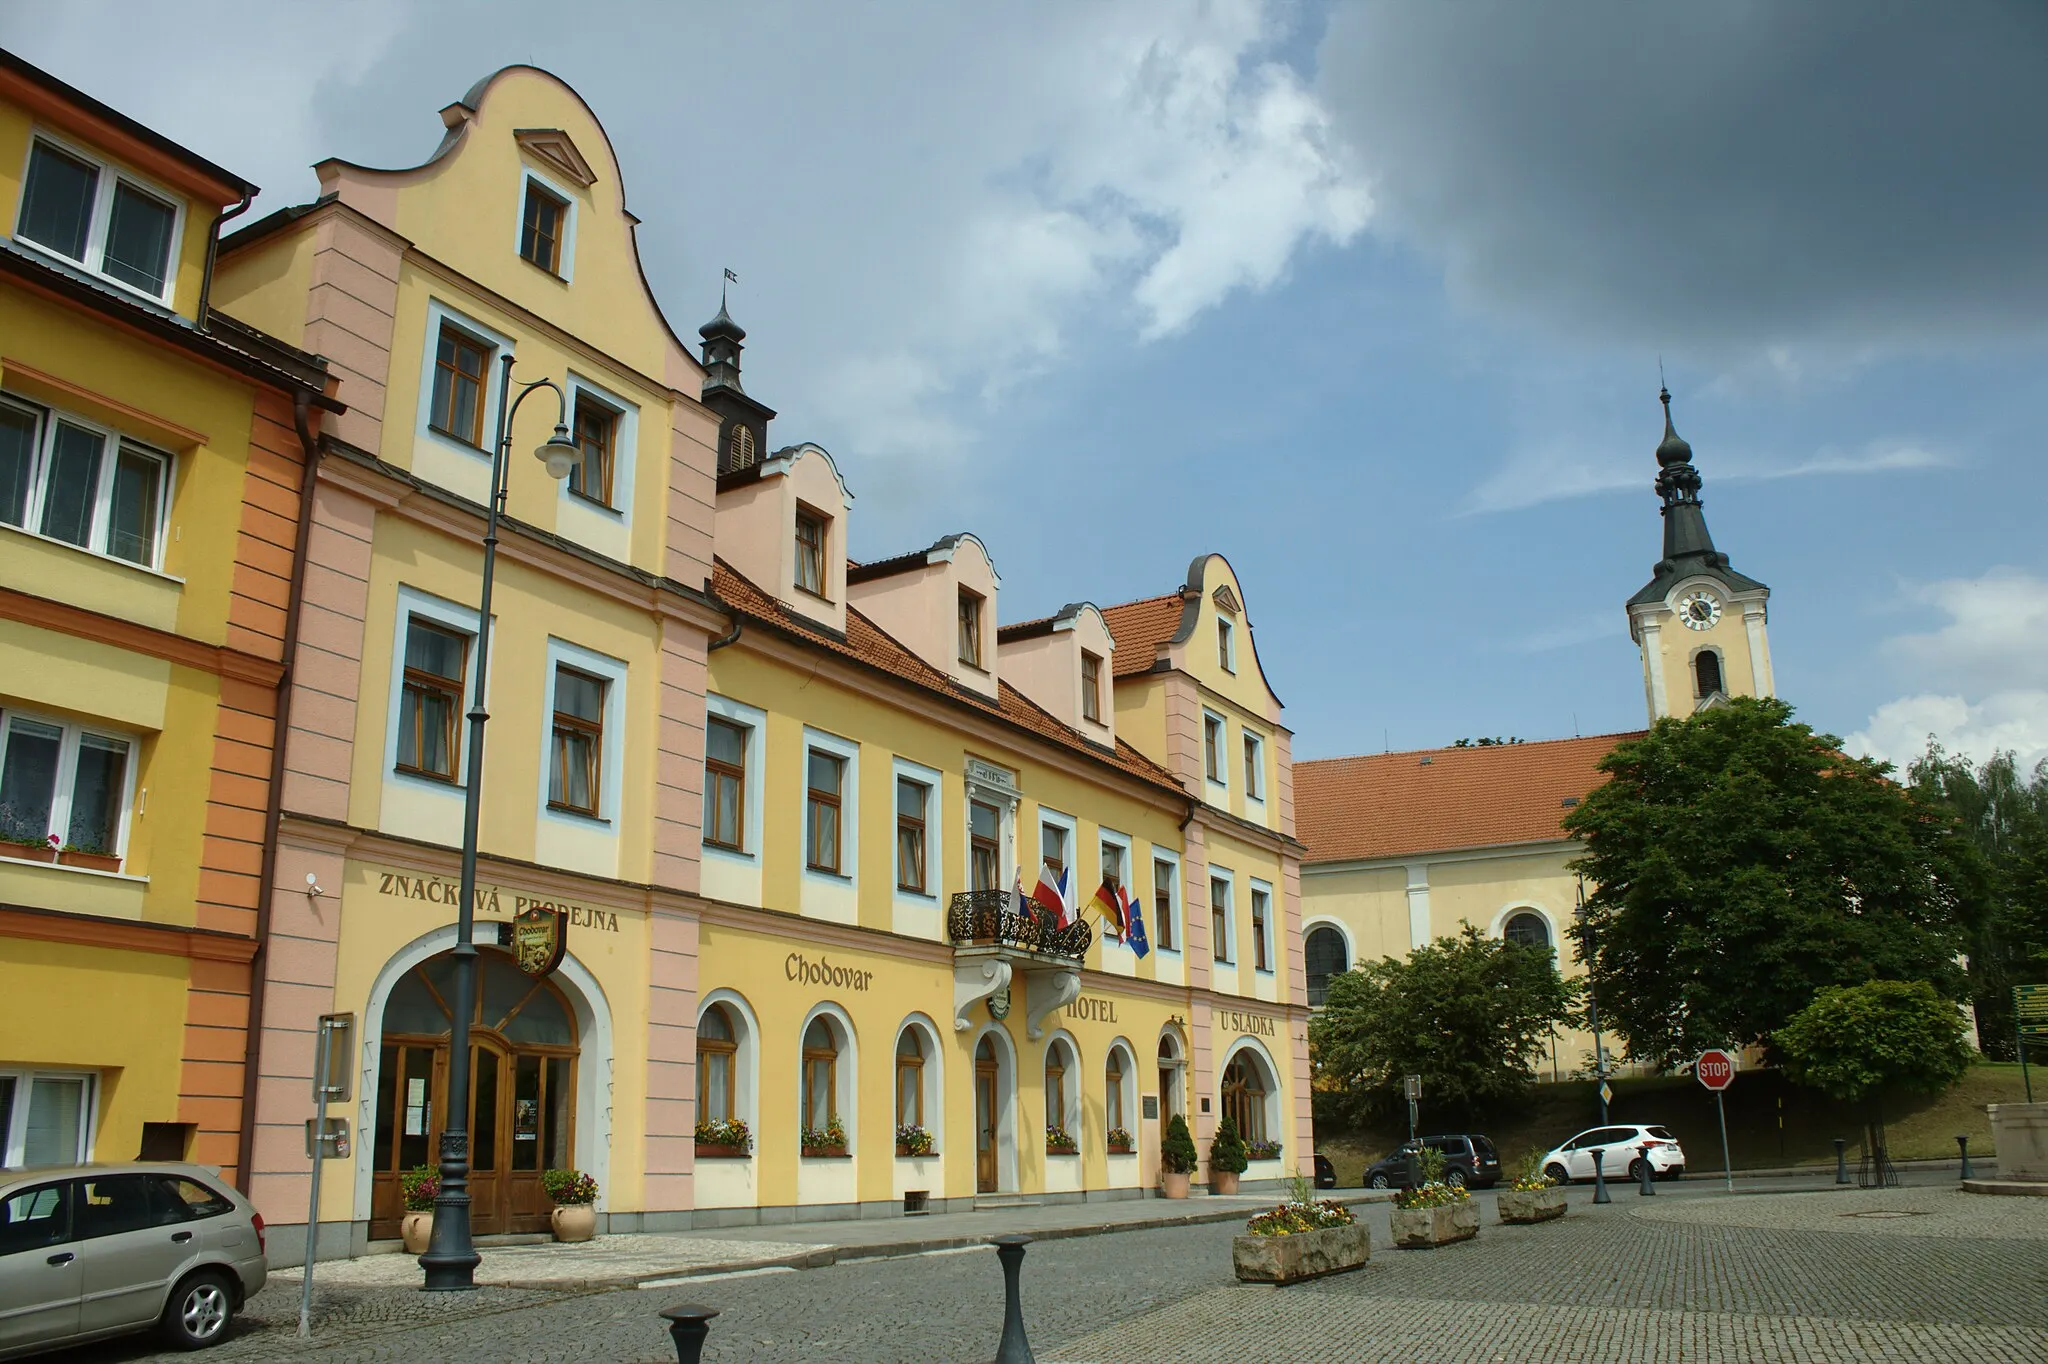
(999, 1004)
(1152, 1106)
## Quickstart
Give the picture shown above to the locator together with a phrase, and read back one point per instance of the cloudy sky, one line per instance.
(1369, 297)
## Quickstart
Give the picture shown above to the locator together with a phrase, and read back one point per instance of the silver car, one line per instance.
(90, 1251)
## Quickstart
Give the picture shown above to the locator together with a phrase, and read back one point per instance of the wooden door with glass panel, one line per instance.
(987, 1113)
(522, 1092)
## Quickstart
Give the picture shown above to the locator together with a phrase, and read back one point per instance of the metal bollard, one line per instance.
(1841, 1161)
(1600, 1194)
(1964, 1144)
(1649, 1188)
(688, 1324)
(1013, 1349)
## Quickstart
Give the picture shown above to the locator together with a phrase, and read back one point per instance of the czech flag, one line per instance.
(1134, 923)
(1105, 904)
(1053, 894)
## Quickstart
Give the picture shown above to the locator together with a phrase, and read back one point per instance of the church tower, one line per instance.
(1699, 623)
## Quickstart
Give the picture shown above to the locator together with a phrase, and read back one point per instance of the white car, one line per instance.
(1621, 1147)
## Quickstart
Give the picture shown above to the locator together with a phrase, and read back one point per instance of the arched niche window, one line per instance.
(910, 1079)
(742, 456)
(1059, 1076)
(717, 1065)
(1324, 955)
(1170, 1101)
(821, 1074)
(1706, 671)
(1245, 1089)
(1527, 928)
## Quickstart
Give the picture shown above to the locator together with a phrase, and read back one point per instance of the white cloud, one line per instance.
(2015, 720)
(1559, 469)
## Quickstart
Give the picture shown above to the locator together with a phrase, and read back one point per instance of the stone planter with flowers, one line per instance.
(828, 1141)
(1303, 1238)
(723, 1139)
(574, 1195)
(1530, 1197)
(1434, 1215)
(418, 1187)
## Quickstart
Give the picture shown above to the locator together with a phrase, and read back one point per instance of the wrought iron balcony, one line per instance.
(991, 918)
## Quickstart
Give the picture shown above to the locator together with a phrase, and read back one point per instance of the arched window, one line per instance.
(1244, 1096)
(1169, 1078)
(717, 1064)
(821, 1074)
(910, 1079)
(1706, 668)
(1527, 928)
(1113, 1091)
(1058, 1061)
(1324, 955)
(742, 446)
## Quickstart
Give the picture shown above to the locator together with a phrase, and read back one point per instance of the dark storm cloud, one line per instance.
(1713, 174)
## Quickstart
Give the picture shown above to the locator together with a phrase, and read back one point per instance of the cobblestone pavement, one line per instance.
(1790, 1279)
(608, 1262)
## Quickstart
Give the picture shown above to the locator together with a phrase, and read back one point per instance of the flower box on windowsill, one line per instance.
(718, 1150)
(1067, 1149)
(1120, 1148)
(29, 852)
(903, 1149)
(95, 861)
(826, 1152)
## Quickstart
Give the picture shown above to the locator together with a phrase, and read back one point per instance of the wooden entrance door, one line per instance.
(987, 1114)
(488, 1139)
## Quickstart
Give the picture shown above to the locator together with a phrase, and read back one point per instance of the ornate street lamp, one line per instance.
(450, 1260)
(1593, 1008)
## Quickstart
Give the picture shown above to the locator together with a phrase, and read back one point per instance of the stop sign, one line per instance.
(1716, 1069)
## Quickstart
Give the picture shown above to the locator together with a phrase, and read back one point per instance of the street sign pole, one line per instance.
(1715, 1070)
(1727, 1168)
(1411, 1086)
(320, 1063)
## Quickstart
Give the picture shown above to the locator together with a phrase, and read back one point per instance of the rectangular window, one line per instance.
(1219, 919)
(1212, 747)
(1091, 687)
(435, 659)
(99, 218)
(1163, 918)
(1254, 766)
(912, 798)
(574, 777)
(1262, 952)
(56, 478)
(970, 628)
(540, 228)
(61, 786)
(725, 784)
(1226, 645)
(1052, 847)
(827, 773)
(597, 429)
(810, 553)
(984, 830)
(45, 1118)
(457, 406)
(1113, 863)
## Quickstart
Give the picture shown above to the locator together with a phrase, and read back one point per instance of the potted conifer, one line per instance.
(1176, 1158)
(1226, 1158)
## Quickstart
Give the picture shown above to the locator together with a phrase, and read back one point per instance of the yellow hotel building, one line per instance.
(780, 795)
(151, 460)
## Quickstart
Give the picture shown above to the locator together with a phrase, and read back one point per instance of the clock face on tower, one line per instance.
(1700, 610)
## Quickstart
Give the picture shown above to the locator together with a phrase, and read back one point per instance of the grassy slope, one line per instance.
(1919, 1129)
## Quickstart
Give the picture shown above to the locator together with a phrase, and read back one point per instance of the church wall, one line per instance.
(1370, 904)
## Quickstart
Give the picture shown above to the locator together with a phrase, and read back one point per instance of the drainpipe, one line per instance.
(273, 817)
(212, 252)
(731, 636)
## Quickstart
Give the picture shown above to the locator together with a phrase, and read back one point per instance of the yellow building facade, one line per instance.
(151, 464)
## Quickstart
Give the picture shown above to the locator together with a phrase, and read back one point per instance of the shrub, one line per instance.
(568, 1188)
(1226, 1152)
(1177, 1148)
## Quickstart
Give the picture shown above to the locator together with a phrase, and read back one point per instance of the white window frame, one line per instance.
(1255, 791)
(934, 836)
(1073, 1087)
(102, 217)
(1222, 723)
(14, 1141)
(413, 602)
(1265, 888)
(755, 722)
(849, 808)
(47, 418)
(1070, 835)
(1227, 628)
(1229, 880)
(1175, 895)
(67, 769)
(1123, 842)
(845, 1073)
(1005, 803)
(611, 756)
(438, 314)
(625, 442)
(528, 175)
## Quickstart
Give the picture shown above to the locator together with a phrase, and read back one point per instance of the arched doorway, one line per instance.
(522, 1119)
(1250, 1093)
(988, 1114)
(1171, 1068)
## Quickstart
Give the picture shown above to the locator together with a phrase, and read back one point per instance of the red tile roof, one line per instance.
(1139, 629)
(1438, 799)
(869, 644)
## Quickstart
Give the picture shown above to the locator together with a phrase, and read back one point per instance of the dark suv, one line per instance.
(1469, 1160)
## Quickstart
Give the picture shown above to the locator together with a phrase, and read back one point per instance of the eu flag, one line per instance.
(1134, 923)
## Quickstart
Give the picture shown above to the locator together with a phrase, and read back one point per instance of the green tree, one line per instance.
(2006, 815)
(1738, 863)
(1469, 1014)
(1861, 1043)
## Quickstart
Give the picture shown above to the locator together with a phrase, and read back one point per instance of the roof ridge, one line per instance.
(1466, 748)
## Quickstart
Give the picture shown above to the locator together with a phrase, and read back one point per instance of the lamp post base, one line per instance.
(450, 1273)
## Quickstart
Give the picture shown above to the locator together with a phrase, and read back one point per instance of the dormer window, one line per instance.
(1091, 687)
(810, 552)
(541, 227)
(970, 628)
(94, 216)
(1226, 645)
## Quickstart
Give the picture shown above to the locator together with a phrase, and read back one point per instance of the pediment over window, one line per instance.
(1227, 599)
(553, 149)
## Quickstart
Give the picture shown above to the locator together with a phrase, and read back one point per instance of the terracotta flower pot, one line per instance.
(1062, 1150)
(416, 1229)
(903, 1149)
(574, 1221)
(1121, 1149)
(1173, 1184)
(828, 1151)
(29, 852)
(708, 1150)
(72, 857)
(1223, 1182)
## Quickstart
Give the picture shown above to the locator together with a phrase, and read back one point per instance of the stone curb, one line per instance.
(825, 1256)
